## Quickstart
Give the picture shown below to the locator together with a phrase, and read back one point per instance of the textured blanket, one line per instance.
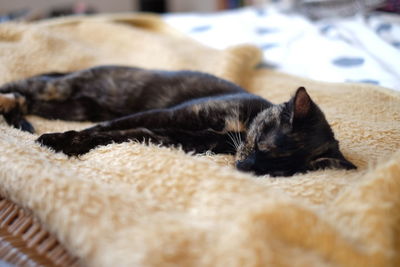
(135, 205)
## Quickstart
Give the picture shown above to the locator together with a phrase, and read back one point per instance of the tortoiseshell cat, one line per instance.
(195, 110)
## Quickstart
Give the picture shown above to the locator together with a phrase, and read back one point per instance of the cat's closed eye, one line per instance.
(271, 144)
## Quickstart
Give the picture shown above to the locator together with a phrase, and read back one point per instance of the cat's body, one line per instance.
(197, 111)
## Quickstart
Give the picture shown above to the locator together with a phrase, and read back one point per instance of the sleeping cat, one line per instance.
(194, 110)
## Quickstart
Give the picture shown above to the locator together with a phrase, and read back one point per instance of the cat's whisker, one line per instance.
(238, 133)
(235, 141)
(232, 141)
(239, 139)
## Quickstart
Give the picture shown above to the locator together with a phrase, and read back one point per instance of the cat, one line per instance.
(196, 111)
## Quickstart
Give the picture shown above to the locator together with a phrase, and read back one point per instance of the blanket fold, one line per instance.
(135, 205)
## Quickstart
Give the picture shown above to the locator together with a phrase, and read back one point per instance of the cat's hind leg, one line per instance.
(94, 94)
(17, 98)
(13, 107)
(52, 96)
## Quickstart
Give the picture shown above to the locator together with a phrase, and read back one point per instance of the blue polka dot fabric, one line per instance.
(346, 62)
(265, 30)
(201, 28)
(383, 27)
(362, 49)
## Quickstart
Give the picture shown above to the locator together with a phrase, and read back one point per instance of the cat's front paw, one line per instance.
(71, 143)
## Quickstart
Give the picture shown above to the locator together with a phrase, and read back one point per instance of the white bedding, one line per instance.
(362, 49)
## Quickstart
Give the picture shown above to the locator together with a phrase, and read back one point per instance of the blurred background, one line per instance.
(159, 6)
(329, 40)
(35, 9)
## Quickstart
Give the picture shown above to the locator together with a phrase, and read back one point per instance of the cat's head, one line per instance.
(290, 138)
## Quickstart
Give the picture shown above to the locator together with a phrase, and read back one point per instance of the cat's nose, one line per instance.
(245, 165)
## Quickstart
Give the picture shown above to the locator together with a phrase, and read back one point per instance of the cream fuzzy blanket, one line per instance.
(136, 205)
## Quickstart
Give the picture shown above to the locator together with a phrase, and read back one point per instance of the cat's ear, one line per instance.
(334, 161)
(301, 103)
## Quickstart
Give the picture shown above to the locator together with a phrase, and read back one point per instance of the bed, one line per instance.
(132, 204)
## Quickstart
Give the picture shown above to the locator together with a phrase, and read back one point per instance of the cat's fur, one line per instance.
(197, 111)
